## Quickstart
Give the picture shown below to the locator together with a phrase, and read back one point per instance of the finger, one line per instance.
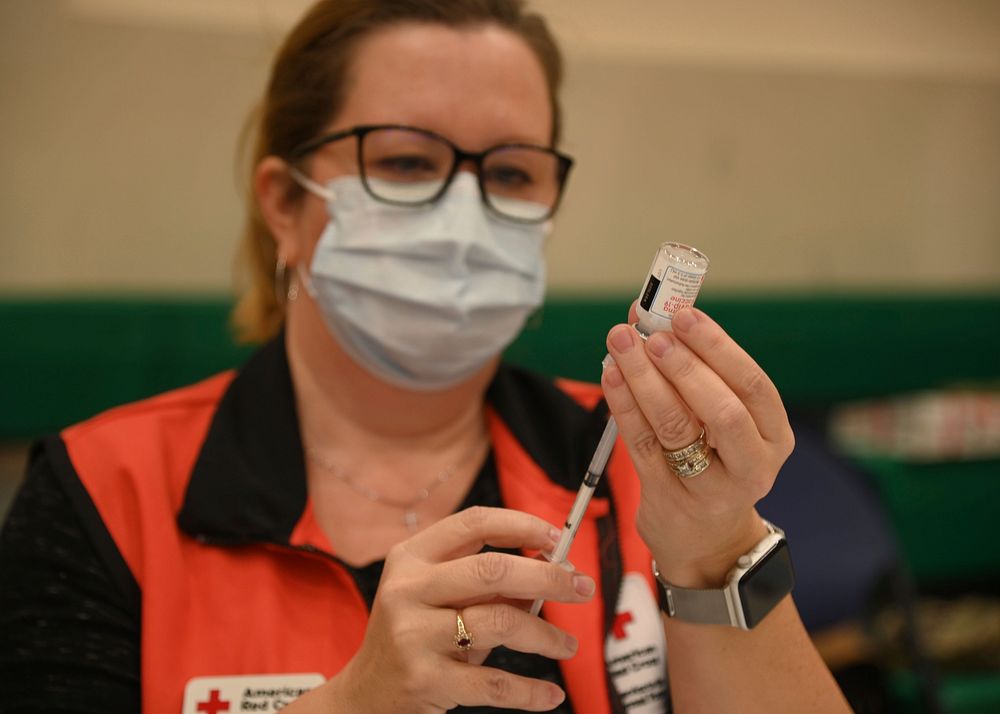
(633, 313)
(487, 686)
(737, 369)
(466, 532)
(734, 433)
(658, 483)
(475, 578)
(493, 625)
(672, 422)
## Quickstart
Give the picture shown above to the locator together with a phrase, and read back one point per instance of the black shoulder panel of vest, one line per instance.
(556, 431)
(248, 483)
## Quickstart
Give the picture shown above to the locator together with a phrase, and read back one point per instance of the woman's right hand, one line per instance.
(409, 662)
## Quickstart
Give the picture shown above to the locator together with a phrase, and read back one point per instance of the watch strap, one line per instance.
(702, 607)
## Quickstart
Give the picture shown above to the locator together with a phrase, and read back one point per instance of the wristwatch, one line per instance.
(760, 580)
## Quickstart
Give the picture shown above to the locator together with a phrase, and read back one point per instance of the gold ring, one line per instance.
(463, 638)
(690, 460)
(683, 454)
(692, 467)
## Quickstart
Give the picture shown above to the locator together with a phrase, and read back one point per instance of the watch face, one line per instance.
(766, 583)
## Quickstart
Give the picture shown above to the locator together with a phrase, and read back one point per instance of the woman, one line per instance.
(403, 182)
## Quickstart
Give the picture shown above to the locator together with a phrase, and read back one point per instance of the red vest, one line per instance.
(212, 609)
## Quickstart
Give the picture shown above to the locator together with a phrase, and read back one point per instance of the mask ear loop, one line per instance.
(287, 289)
(311, 186)
(323, 193)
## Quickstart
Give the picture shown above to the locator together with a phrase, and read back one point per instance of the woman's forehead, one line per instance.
(478, 86)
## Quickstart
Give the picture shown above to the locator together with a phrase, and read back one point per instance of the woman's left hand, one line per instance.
(662, 392)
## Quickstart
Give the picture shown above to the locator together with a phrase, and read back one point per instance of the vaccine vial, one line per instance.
(673, 283)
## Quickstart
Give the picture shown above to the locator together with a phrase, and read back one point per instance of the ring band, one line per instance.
(695, 447)
(463, 638)
(690, 460)
(690, 469)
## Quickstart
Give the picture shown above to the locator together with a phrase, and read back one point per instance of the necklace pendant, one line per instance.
(410, 521)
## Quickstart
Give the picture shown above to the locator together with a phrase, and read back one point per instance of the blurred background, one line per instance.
(837, 145)
(839, 161)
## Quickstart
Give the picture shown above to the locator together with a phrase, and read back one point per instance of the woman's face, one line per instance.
(477, 87)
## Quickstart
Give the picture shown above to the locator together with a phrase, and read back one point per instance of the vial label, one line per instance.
(669, 288)
(680, 288)
(649, 293)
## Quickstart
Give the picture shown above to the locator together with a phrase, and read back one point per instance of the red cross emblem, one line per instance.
(618, 628)
(214, 705)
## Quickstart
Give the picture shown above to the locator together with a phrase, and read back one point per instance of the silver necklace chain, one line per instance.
(410, 517)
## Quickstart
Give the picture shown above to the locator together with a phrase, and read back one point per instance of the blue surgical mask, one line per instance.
(423, 297)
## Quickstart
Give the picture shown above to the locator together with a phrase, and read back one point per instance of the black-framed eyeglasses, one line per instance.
(407, 166)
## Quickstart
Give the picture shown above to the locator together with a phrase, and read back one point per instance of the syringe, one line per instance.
(583, 496)
(673, 282)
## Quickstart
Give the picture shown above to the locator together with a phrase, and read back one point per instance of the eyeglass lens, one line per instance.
(410, 167)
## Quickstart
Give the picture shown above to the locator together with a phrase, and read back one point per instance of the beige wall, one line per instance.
(855, 144)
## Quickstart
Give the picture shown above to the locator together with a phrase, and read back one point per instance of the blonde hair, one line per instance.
(306, 90)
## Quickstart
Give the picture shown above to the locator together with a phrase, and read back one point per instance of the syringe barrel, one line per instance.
(603, 452)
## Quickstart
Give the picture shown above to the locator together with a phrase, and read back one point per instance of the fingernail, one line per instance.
(554, 535)
(685, 320)
(621, 339)
(659, 343)
(613, 376)
(584, 585)
(556, 696)
(571, 643)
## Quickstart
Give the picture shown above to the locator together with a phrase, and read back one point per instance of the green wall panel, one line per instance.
(63, 359)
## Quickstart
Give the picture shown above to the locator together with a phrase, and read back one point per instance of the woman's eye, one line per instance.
(508, 176)
(406, 165)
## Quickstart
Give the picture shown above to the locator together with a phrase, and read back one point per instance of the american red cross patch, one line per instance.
(636, 651)
(246, 692)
